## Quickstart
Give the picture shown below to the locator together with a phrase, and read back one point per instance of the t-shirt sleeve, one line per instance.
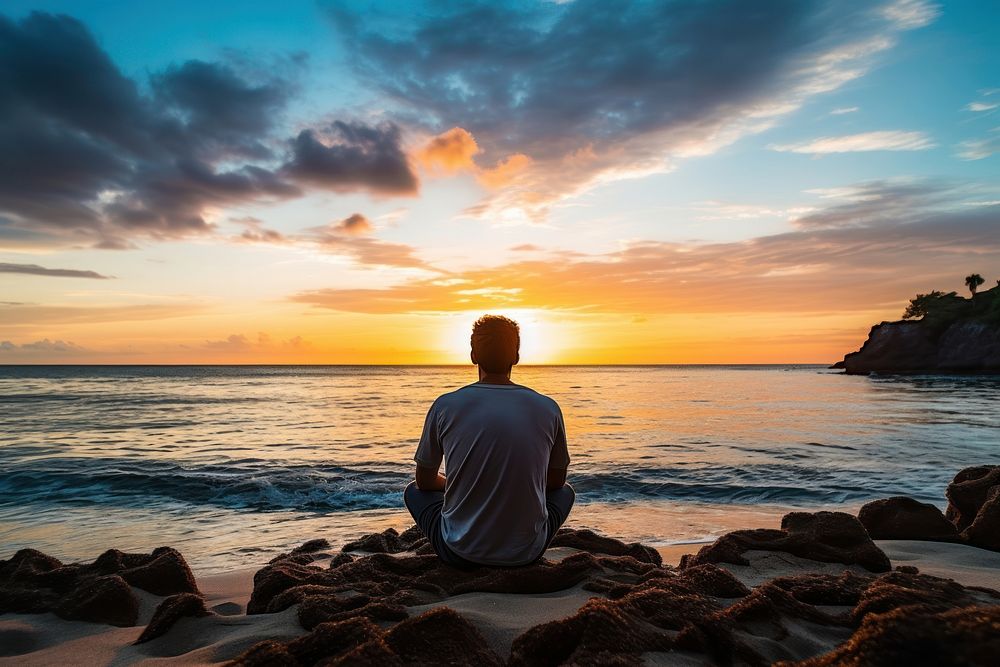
(559, 458)
(429, 451)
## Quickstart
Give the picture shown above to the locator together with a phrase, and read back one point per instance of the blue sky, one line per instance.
(480, 143)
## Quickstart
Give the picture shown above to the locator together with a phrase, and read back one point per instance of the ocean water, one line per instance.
(234, 464)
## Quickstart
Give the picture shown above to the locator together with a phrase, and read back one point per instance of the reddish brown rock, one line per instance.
(588, 540)
(32, 582)
(968, 492)
(913, 636)
(984, 532)
(170, 611)
(389, 541)
(903, 518)
(436, 637)
(830, 537)
(106, 599)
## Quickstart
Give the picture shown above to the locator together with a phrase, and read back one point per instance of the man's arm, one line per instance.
(429, 479)
(555, 479)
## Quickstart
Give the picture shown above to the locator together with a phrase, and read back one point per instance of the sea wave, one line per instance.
(259, 485)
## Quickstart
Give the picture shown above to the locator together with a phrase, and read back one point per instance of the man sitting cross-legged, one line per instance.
(504, 450)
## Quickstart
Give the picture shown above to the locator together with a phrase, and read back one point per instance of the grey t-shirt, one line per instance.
(498, 442)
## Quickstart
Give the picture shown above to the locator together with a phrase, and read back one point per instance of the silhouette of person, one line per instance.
(504, 449)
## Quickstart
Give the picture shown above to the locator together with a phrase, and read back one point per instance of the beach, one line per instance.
(571, 607)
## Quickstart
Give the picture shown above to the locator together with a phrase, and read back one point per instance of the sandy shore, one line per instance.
(45, 639)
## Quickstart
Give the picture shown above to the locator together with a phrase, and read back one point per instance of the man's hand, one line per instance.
(555, 479)
(429, 479)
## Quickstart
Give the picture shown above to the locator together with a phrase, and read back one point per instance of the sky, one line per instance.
(347, 182)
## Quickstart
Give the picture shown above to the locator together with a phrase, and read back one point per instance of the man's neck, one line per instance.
(494, 378)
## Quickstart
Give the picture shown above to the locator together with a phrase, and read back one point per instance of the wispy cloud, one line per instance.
(36, 270)
(840, 111)
(979, 149)
(910, 14)
(979, 107)
(860, 252)
(885, 140)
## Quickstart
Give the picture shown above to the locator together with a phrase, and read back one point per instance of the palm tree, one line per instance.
(973, 281)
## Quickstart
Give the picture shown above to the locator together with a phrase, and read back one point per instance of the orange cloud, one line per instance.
(842, 269)
(355, 225)
(450, 151)
(505, 172)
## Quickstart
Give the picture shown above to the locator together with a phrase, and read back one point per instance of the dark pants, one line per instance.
(426, 506)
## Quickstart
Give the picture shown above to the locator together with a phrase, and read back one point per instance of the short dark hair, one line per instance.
(496, 341)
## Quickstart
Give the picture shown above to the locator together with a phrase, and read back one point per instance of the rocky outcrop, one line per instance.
(974, 505)
(902, 518)
(32, 582)
(170, 611)
(913, 347)
(830, 537)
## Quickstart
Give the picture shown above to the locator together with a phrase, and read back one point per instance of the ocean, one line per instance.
(233, 464)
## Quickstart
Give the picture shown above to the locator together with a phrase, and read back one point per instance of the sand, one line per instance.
(45, 639)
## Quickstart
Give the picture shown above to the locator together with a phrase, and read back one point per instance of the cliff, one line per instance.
(954, 335)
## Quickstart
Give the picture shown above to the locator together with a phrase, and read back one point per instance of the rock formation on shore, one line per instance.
(953, 335)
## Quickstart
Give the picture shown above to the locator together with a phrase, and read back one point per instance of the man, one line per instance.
(504, 450)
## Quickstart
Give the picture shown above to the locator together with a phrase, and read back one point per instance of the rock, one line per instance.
(164, 572)
(974, 505)
(32, 582)
(903, 518)
(436, 637)
(170, 611)
(588, 540)
(106, 599)
(389, 541)
(985, 529)
(830, 537)
(908, 636)
(960, 336)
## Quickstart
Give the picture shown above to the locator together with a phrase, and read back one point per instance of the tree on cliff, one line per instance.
(922, 304)
(973, 281)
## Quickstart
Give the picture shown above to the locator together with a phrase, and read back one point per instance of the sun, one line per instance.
(539, 335)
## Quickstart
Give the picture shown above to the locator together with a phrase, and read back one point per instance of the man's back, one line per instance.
(498, 442)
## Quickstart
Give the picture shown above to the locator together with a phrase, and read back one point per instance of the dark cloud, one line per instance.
(36, 270)
(349, 155)
(593, 88)
(88, 156)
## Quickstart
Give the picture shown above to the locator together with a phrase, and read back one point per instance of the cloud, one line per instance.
(240, 343)
(591, 91)
(831, 263)
(14, 314)
(909, 14)
(884, 203)
(36, 270)
(346, 156)
(348, 237)
(450, 151)
(10, 351)
(843, 110)
(89, 156)
(886, 140)
(978, 149)
(355, 225)
(981, 106)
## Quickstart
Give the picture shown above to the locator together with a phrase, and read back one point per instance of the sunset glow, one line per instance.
(328, 183)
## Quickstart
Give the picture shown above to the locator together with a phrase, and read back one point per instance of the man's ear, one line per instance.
(517, 357)
(472, 355)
